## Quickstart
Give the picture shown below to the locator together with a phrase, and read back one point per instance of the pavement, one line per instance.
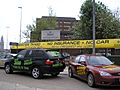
(16, 86)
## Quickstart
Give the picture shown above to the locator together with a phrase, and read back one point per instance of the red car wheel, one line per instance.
(70, 73)
(91, 80)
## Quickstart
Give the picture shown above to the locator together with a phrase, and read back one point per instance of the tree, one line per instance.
(30, 28)
(107, 25)
(45, 23)
(116, 13)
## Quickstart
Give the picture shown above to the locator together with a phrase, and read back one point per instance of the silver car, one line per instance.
(5, 57)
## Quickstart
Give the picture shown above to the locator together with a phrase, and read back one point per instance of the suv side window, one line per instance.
(21, 54)
(37, 53)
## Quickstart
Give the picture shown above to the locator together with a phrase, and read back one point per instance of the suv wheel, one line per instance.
(70, 73)
(8, 69)
(54, 74)
(36, 73)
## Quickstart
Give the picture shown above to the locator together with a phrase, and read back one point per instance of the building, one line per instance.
(64, 24)
(2, 44)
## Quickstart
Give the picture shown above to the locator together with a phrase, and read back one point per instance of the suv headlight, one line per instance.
(102, 73)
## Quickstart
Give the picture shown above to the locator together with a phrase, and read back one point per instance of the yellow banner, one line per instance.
(102, 43)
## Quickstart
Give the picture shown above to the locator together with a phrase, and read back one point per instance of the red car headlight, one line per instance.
(102, 73)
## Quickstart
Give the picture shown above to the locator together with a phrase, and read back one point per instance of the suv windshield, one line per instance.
(99, 60)
(55, 54)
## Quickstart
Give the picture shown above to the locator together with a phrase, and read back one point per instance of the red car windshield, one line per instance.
(99, 60)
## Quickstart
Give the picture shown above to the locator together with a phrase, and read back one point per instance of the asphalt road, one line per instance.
(21, 81)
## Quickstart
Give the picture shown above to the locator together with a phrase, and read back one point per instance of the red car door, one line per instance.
(81, 67)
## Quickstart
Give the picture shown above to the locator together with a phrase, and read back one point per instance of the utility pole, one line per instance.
(20, 23)
(7, 37)
(93, 27)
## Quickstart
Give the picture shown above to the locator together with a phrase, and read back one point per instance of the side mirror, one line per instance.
(82, 63)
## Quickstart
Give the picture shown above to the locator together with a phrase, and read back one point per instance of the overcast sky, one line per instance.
(32, 9)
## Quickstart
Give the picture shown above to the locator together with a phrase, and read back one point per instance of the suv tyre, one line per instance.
(8, 69)
(36, 73)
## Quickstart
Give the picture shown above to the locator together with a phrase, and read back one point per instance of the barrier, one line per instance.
(101, 43)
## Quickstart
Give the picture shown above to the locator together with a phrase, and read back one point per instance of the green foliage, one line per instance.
(107, 25)
(44, 24)
(30, 28)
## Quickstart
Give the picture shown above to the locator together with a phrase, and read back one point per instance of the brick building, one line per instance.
(64, 24)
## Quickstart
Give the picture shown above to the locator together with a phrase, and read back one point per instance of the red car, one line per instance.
(96, 70)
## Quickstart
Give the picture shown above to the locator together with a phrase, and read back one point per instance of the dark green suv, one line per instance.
(37, 62)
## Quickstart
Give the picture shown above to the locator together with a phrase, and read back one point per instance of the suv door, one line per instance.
(19, 60)
(35, 57)
(28, 61)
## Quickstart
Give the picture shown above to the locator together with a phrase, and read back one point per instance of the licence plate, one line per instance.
(57, 65)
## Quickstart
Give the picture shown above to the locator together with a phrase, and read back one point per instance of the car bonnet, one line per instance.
(109, 68)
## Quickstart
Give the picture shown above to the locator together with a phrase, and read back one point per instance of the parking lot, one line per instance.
(22, 81)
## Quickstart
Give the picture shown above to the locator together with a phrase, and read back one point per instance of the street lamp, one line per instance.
(93, 27)
(7, 37)
(20, 23)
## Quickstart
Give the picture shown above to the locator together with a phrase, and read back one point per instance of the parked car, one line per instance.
(4, 58)
(37, 62)
(95, 69)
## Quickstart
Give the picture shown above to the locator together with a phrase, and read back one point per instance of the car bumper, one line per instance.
(50, 69)
(108, 81)
(2, 64)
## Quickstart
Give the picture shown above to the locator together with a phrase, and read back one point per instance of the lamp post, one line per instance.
(93, 27)
(20, 24)
(7, 37)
